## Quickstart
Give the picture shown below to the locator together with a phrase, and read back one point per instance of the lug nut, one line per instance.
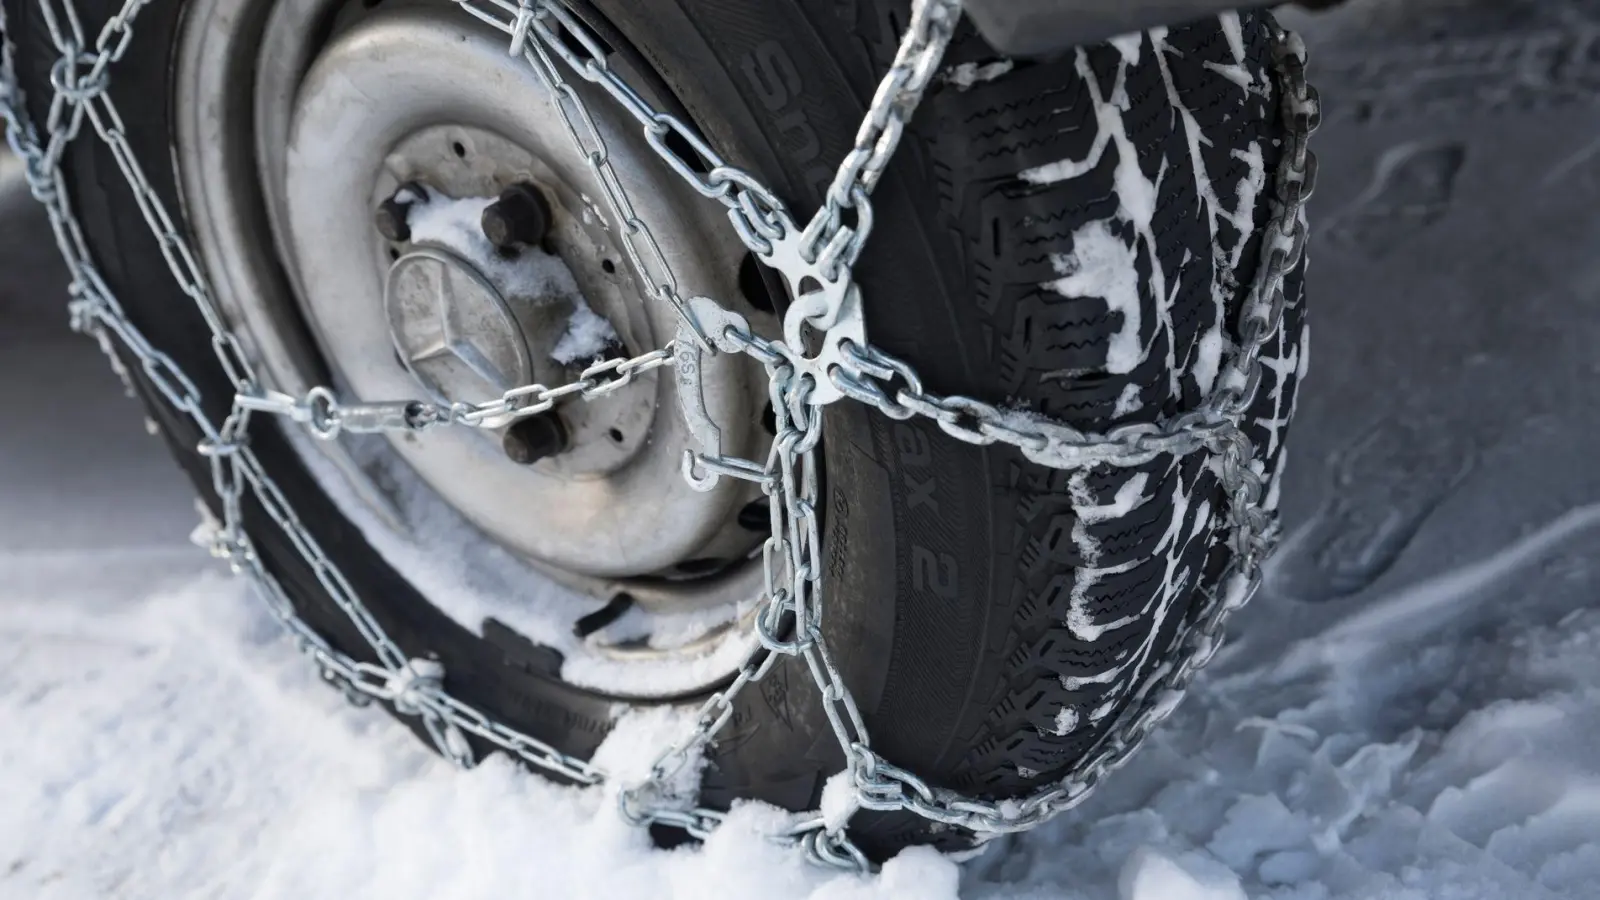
(537, 437)
(392, 215)
(519, 217)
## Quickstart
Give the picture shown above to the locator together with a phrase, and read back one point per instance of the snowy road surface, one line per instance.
(1410, 710)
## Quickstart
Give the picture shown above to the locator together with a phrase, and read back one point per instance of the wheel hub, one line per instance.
(453, 330)
(470, 332)
(453, 298)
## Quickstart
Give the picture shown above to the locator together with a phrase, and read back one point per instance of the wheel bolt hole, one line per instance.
(615, 435)
(459, 149)
(680, 147)
(753, 284)
(756, 516)
(700, 566)
(538, 437)
(609, 267)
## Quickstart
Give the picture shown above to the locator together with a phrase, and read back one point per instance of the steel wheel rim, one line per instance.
(221, 173)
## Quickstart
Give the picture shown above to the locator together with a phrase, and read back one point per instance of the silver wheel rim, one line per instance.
(612, 518)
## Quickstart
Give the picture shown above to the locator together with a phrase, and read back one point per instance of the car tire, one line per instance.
(993, 617)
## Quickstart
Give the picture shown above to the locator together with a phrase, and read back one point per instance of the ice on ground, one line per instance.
(160, 737)
(1151, 875)
(178, 746)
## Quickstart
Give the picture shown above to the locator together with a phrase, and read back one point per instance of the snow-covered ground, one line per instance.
(161, 739)
(1410, 710)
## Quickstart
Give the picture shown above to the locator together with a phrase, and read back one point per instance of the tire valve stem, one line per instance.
(529, 440)
(603, 616)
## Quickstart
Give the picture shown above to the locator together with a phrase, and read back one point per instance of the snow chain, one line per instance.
(819, 257)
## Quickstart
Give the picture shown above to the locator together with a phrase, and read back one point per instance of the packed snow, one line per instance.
(1101, 265)
(587, 336)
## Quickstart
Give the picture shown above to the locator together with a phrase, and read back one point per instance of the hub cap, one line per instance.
(454, 332)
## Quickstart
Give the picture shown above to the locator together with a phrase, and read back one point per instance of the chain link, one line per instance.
(917, 60)
(816, 262)
(326, 417)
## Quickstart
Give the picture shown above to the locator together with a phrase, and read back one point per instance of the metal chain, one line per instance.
(816, 262)
(326, 417)
(411, 686)
(899, 93)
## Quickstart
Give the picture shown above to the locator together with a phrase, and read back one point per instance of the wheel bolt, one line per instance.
(537, 437)
(519, 217)
(391, 216)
